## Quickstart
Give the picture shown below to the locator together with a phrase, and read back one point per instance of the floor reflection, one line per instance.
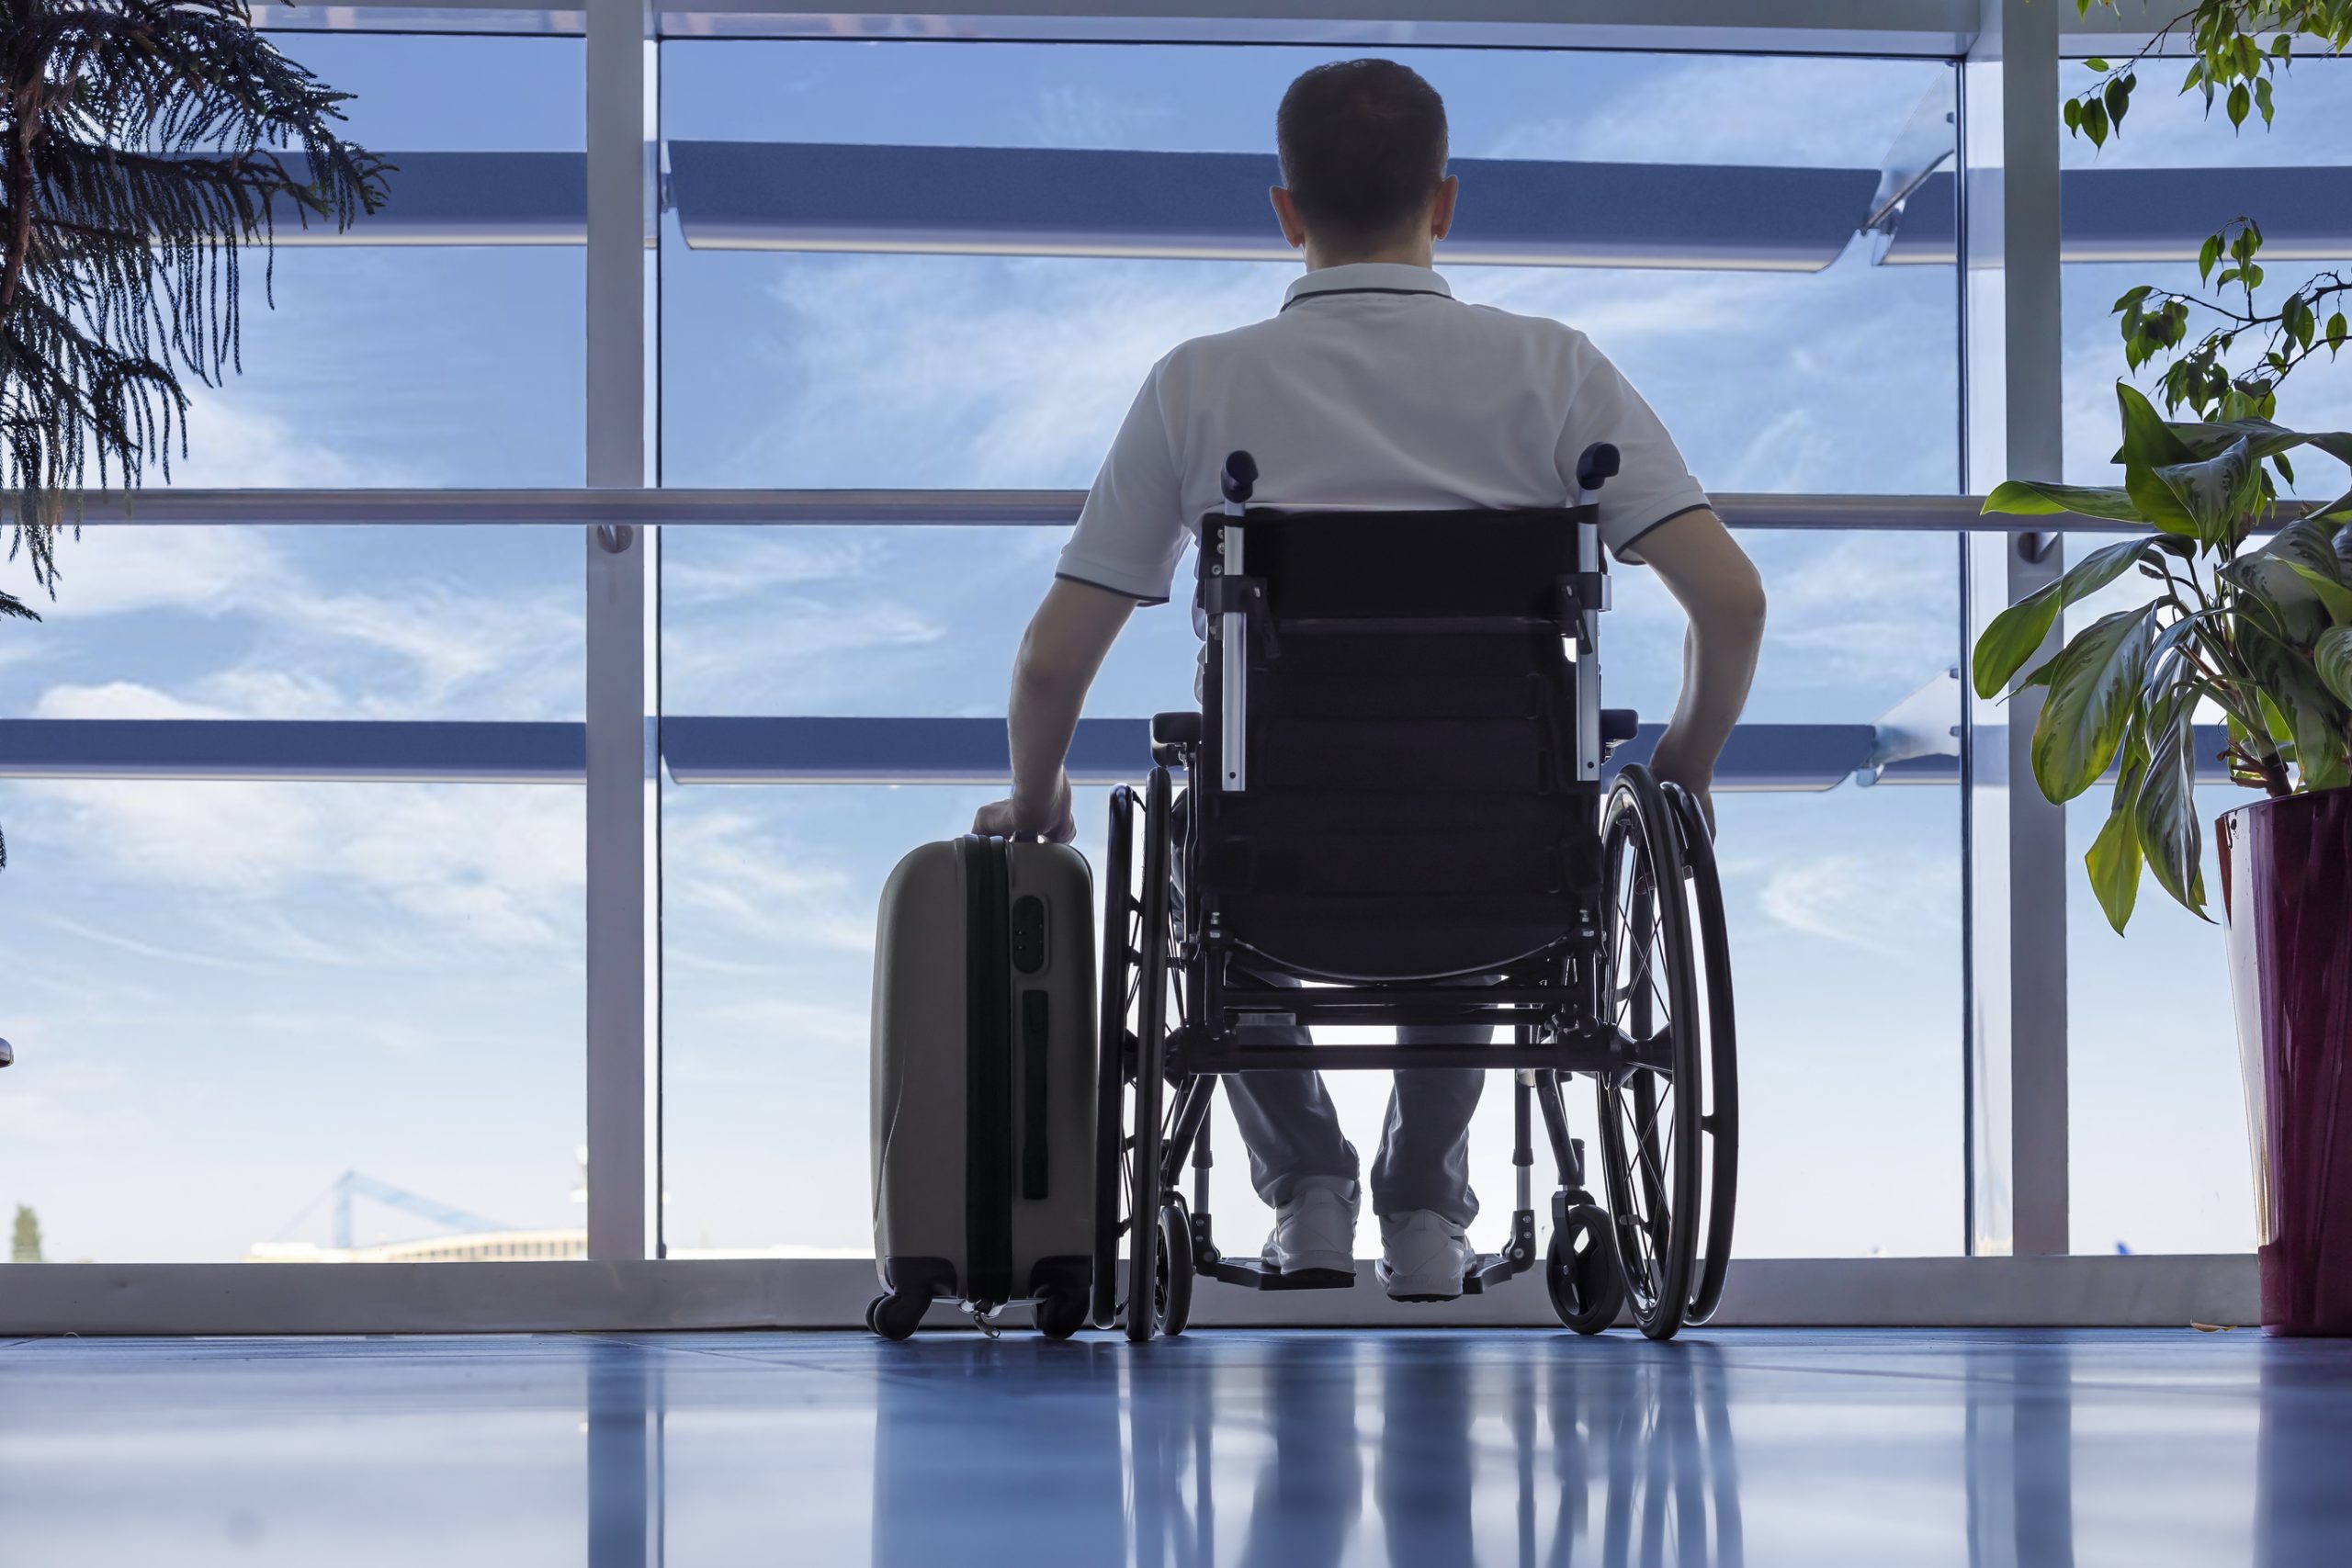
(1588, 1457)
(1312, 1450)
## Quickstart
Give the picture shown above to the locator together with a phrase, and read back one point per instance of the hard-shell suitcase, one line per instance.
(983, 1083)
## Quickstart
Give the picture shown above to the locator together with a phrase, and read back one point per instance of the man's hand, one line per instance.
(1674, 763)
(1050, 820)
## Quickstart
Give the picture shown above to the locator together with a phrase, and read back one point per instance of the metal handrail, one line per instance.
(990, 508)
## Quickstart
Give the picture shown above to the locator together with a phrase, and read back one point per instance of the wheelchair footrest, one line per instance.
(1486, 1269)
(1251, 1274)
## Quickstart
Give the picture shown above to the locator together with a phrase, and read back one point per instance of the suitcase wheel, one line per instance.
(894, 1316)
(1061, 1313)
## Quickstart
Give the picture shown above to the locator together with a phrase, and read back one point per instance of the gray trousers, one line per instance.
(1287, 1119)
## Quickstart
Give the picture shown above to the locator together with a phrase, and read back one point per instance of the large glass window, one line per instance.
(815, 369)
(224, 997)
(400, 358)
(808, 368)
(2158, 1143)
(242, 1010)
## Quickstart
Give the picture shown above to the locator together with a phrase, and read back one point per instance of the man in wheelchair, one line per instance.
(1374, 389)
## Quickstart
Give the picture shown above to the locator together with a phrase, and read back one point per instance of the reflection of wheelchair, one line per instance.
(1399, 816)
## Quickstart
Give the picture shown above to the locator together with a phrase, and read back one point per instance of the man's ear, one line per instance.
(1442, 209)
(1286, 214)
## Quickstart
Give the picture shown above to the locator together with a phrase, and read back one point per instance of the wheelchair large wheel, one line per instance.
(1719, 1118)
(1650, 1106)
(1143, 1144)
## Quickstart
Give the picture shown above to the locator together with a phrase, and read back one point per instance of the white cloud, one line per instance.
(1072, 116)
(57, 1099)
(723, 865)
(1877, 902)
(1777, 110)
(719, 564)
(118, 568)
(496, 866)
(118, 699)
(1030, 362)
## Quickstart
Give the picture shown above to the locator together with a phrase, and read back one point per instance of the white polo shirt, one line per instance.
(1373, 389)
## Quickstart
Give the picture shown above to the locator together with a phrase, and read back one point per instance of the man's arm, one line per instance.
(1712, 580)
(1064, 647)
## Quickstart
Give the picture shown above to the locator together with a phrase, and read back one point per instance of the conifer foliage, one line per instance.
(145, 146)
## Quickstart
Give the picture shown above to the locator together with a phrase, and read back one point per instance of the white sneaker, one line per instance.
(1422, 1257)
(1316, 1229)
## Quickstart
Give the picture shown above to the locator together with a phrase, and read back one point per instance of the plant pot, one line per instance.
(2287, 884)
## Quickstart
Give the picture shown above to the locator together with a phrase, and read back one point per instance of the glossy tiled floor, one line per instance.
(1291, 1449)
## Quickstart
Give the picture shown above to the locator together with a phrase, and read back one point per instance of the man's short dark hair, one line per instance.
(1362, 145)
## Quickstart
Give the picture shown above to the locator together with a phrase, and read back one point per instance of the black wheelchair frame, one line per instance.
(1633, 990)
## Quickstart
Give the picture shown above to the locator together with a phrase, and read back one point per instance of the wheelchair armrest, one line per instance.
(1619, 725)
(1173, 735)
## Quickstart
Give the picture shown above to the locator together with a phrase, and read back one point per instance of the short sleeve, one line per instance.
(1653, 482)
(1131, 532)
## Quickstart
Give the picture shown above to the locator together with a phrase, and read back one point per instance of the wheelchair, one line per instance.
(1400, 813)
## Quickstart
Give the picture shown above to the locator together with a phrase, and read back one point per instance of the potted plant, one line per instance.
(145, 146)
(2248, 621)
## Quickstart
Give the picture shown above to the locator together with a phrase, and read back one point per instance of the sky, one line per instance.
(225, 995)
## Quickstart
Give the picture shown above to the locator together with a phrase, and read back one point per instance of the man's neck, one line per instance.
(1423, 255)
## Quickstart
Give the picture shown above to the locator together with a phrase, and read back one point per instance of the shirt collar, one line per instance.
(1384, 277)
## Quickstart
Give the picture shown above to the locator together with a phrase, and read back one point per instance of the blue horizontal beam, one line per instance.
(461, 199)
(2157, 215)
(704, 750)
(1097, 202)
(372, 751)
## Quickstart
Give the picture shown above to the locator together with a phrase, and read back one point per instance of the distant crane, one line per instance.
(352, 1183)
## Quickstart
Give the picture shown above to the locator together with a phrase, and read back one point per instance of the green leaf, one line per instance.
(2337, 331)
(2114, 862)
(2096, 63)
(2163, 811)
(2216, 491)
(2117, 99)
(2091, 700)
(2149, 443)
(2207, 254)
(2033, 497)
(2267, 439)
(2269, 575)
(2334, 659)
(2239, 102)
(2073, 114)
(2297, 702)
(2262, 97)
(2016, 631)
(2332, 594)
(2095, 122)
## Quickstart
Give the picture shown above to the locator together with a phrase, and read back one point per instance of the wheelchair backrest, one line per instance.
(1417, 799)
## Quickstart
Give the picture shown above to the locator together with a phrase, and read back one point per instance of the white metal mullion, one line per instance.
(620, 1218)
(2017, 875)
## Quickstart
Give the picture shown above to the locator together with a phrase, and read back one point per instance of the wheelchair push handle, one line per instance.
(1239, 480)
(1599, 463)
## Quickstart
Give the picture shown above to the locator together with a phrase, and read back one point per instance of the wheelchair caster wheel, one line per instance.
(1172, 1294)
(1580, 1272)
(1061, 1313)
(895, 1316)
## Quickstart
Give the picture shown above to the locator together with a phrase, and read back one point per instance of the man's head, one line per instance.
(1362, 145)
